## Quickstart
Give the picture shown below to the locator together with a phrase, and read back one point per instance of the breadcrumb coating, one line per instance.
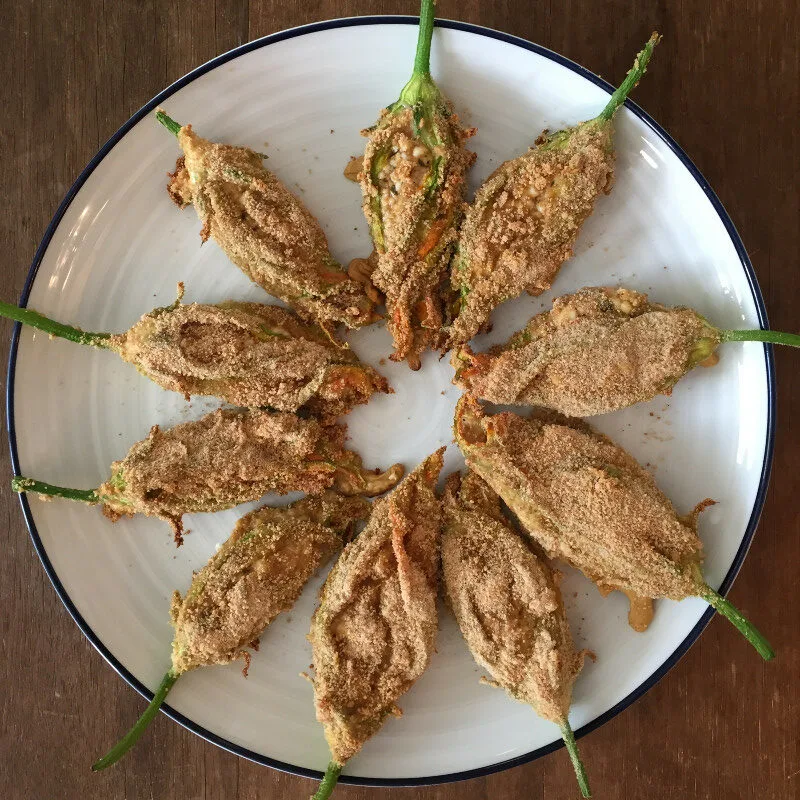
(265, 230)
(258, 573)
(524, 220)
(506, 601)
(596, 351)
(230, 457)
(374, 630)
(585, 501)
(413, 184)
(249, 355)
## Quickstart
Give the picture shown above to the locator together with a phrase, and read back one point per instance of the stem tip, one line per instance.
(631, 79)
(740, 622)
(168, 122)
(21, 484)
(132, 736)
(329, 780)
(758, 335)
(422, 59)
(572, 748)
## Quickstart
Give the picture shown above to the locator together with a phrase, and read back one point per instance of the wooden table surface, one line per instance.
(725, 84)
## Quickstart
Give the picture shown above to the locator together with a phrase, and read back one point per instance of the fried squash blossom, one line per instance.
(588, 502)
(373, 633)
(413, 184)
(258, 573)
(264, 229)
(223, 459)
(508, 606)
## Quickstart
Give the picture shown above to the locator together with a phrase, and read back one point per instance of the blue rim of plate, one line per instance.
(768, 358)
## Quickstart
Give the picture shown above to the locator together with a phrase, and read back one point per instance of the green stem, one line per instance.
(422, 59)
(775, 337)
(631, 79)
(27, 316)
(743, 625)
(421, 88)
(328, 781)
(20, 484)
(572, 748)
(168, 122)
(132, 736)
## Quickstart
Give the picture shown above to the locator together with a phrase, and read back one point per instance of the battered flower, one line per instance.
(598, 350)
(509, 608)
(257, 574)
(374, 630)
(526, 217)
(264, 229)
(247, 354)
(413, 184)
(223, 459)
(588, 502)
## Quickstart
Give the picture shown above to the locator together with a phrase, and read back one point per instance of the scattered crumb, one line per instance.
(352, 170)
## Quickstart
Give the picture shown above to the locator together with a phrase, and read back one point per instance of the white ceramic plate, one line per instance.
(118, 246)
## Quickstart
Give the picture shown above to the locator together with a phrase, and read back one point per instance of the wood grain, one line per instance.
(721, 724)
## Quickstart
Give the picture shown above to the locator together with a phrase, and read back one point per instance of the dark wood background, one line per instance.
(725, 84)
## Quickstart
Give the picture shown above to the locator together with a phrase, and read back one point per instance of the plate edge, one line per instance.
(730, 228)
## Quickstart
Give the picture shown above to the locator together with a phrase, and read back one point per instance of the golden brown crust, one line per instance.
(226, 458)
(266, 231)
(585, 501)
(179, 187)
(506, 602)
(249, 355)
(524, 220)
(415, 225)
(258, 573)
(596, 351)
(373, 632)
